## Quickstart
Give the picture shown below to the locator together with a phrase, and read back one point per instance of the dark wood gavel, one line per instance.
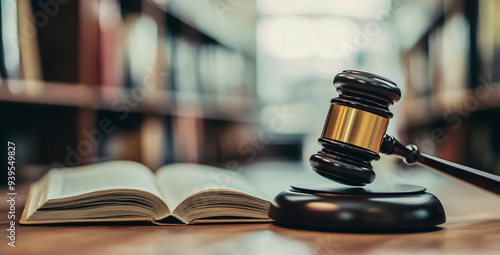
(354, 134)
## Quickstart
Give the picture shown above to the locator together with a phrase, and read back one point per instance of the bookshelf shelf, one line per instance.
(119, 99)
(159, 102)
(47, 93)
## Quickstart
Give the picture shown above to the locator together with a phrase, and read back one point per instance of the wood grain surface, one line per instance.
(473, 227)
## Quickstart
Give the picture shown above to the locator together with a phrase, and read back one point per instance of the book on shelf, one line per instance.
(489, 40)
(110, 45)
(126, 191)
(453, 66)
(59, 43)
(28, 42)
(10, 40)
(3, 70)
(88, 42)
(141, 49)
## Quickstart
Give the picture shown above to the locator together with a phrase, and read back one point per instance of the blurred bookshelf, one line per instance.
(452, 93)
(169, 91)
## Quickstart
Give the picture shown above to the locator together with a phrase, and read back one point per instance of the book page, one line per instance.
(179, 181)
(73, 181)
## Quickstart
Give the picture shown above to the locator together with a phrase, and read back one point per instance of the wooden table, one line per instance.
(473, 227)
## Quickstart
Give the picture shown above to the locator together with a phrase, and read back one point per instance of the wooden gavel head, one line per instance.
(354, 128)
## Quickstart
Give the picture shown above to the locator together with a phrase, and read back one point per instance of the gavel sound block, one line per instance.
(352, 137)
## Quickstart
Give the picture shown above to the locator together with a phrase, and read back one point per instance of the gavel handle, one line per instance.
(412, 155)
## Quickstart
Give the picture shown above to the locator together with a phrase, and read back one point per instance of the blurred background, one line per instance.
(236, 82)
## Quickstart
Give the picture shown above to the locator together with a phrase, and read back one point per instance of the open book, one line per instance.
(129, 191)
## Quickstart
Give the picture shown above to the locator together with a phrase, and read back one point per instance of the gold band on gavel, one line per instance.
(355, 126)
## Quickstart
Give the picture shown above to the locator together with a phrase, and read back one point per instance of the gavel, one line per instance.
(353, 135)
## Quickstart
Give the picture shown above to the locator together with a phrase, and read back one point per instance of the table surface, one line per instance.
(472, 227)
